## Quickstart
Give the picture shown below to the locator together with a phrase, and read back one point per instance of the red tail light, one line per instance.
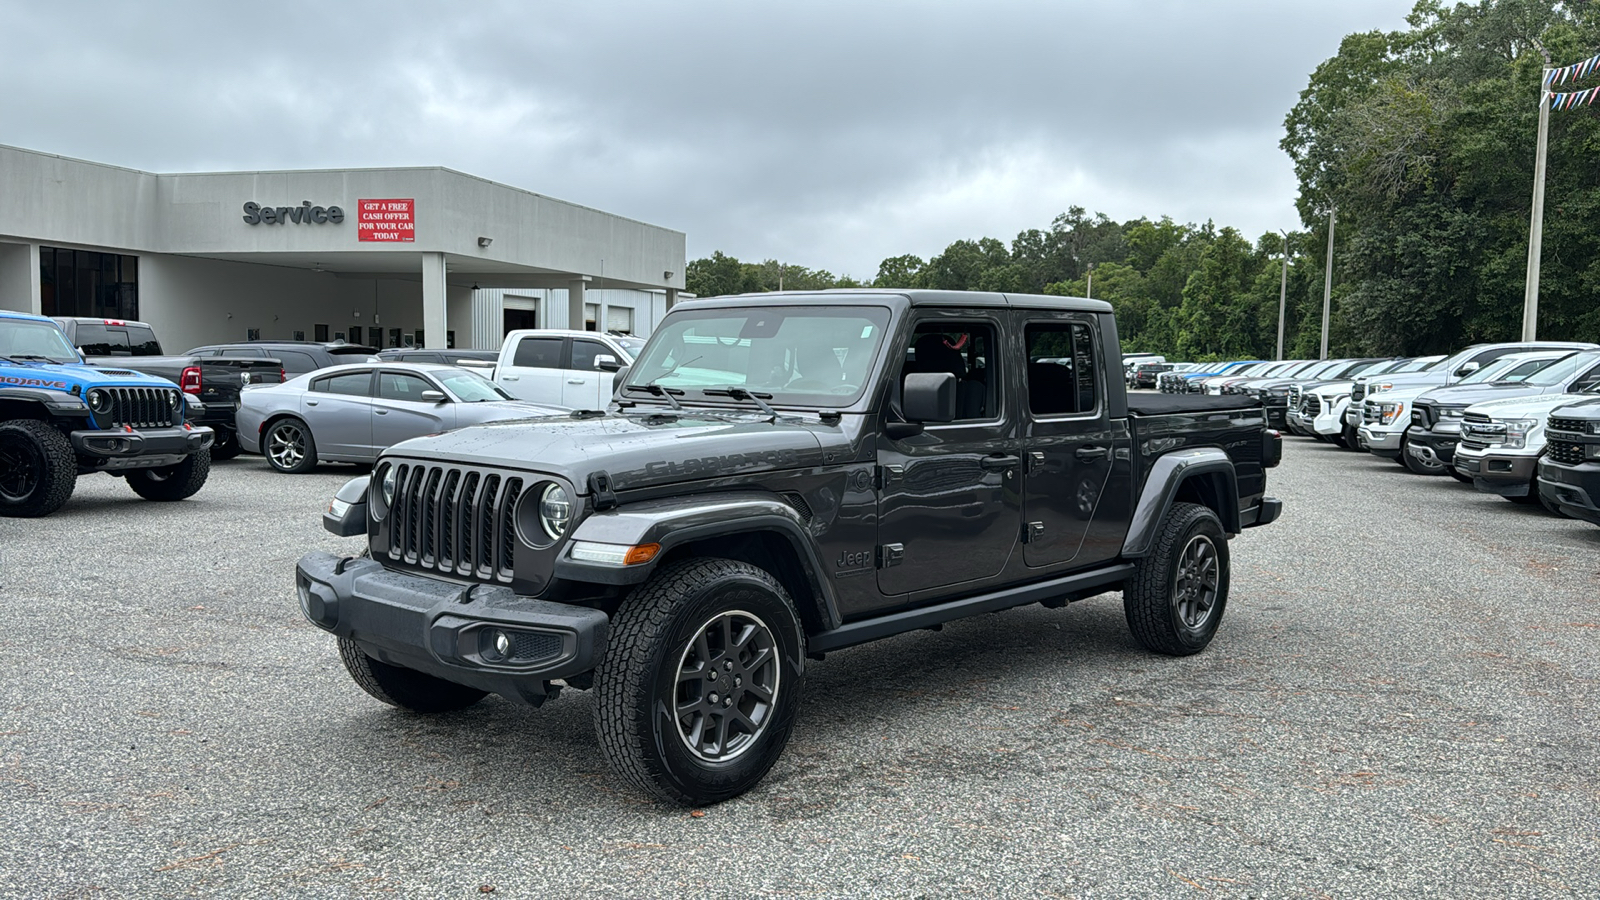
(189, 381)
(283, 375)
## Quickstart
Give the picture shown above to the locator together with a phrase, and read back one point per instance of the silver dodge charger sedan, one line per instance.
(352, 413)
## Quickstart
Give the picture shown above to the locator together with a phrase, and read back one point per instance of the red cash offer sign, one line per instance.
(386, 220)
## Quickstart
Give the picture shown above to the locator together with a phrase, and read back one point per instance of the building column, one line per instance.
(434, 301)
(575, 291)
(672, 297)
(19, 278)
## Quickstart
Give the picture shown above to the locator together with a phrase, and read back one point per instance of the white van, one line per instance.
(564, 368)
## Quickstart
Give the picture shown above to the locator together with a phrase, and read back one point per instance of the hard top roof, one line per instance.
(880, 296)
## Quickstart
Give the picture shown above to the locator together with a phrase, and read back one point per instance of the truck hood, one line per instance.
(66, 376)
(1525, 407)
(1468, 394)
(635, 450)
(1587, 408)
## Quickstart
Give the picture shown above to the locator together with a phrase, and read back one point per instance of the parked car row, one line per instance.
(1519, 420)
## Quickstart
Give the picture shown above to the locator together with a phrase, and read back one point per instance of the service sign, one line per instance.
(386, 220)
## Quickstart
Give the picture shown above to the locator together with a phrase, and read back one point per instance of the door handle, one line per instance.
(1087, 453)
(577, 381)
(511, 377)
(311, 403)
(997, 463)
(380, 412)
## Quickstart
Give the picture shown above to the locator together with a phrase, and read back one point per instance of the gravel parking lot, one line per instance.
(1402, 702)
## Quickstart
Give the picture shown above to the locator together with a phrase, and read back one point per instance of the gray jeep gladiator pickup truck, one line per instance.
(778, 477)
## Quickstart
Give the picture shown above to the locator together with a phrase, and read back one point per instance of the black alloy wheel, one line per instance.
(1175, 600)
(38, 469)
(701, 680)
(289, 447)
(728, 683)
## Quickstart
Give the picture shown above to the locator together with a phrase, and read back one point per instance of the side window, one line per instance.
(400, 386)
(353, 384)
(584, 352)
(965, 350)
(538, 353)
(1586, 381)
(295, 362)
(1062, 379)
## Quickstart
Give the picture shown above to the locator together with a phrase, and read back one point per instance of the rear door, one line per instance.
(399, 413)
(338, 408)
(534, 369)
(1070, 445)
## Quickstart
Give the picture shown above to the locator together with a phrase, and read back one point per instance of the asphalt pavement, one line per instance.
(1402, 701)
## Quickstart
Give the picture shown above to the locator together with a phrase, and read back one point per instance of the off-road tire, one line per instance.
(405, 688)
(169, 483)
(1352, 438)
(637, 683)
(51, 469)
(1151, 599)
(308, 457)
(226, 446)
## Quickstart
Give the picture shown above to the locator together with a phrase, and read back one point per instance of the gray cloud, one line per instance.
(828, 134)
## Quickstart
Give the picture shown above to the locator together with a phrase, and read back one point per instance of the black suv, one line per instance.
(781, 476)
(297, 357)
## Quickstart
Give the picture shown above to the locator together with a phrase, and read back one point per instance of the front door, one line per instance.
(1070, 447)
(533, 370)
(950, 498)
(399, 413)
(587, 386)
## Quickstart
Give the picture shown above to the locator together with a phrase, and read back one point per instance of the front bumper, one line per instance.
(1382, 441)
(448, 629)
(1496, 472)
(1442, 444)
(1574, 490)
(139, 448)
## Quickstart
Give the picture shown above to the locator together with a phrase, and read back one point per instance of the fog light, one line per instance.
(502, 643)
(303, 588)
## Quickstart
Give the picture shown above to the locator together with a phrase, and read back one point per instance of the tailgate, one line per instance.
(233, 371)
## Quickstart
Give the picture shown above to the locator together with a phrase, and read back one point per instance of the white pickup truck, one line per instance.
(1502, 441)
(574, 369)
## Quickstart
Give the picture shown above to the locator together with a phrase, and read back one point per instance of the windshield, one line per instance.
(631, 344)
(1421, 364)
(1560, 370)
(1507, 368)
(470, 387)
(22, 338)
(812, 356)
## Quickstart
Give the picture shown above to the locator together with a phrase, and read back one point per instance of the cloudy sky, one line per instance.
(825, 134)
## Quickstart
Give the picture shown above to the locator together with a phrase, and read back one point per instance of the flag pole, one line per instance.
(1530, 297)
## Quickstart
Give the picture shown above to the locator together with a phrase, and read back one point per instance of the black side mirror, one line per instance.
(619, 379)
(930, 397)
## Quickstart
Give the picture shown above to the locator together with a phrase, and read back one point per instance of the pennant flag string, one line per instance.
(1571, 73)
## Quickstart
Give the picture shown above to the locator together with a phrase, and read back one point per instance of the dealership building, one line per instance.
(389, 257)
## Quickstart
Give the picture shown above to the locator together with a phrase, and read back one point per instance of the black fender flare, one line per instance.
(55, 403)
(677, 521)
(1168, 474)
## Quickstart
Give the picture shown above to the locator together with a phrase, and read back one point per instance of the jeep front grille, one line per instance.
(141, 408)
(454, 520)
(1565, 452)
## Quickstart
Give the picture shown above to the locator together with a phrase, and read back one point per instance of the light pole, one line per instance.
(1530, 295)
(1088, 288)
(1327, 285)
(1283, 290)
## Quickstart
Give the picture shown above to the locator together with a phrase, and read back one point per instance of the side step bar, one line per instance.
(1071, 587)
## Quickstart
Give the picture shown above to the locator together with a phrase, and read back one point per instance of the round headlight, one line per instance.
(555, 510)
(172, 399)
(386, 486)
(99, 401)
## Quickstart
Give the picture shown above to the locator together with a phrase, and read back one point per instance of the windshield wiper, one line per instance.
(19, 357)
(739, 393)
(657, 390)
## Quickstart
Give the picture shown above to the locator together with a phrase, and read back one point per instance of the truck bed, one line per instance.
(1141, 404)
